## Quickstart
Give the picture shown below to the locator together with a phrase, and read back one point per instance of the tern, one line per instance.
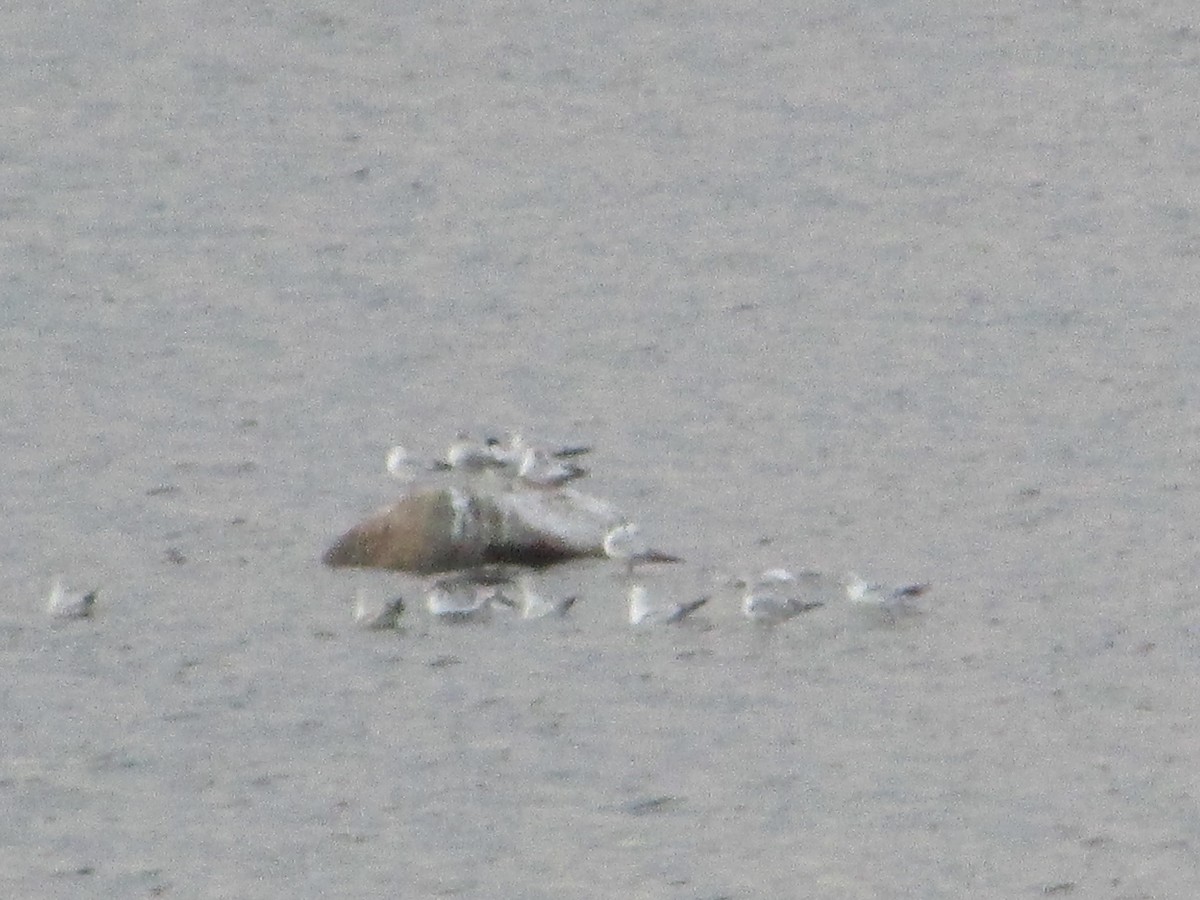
(642, 611)
(457, 599)
(466, 455)
(770, 598)
(512, 452)
(539, 469)
(66, 603)
(375, 616)
(626, 544)
(403, 466)
(892, 600)
(534, 605)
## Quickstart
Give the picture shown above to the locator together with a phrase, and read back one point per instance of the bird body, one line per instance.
(877, 601)
(771, 599)
(626, 544)
(375, 616)
(456, 600)
(512, 452)
(539, 469)
(66, 603)
(643, 610)
(402, 466)
(860, 591)
(535, 605)
(466, 455)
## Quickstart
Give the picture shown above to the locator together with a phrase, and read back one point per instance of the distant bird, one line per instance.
(403, 466)
(532, 604)
(375, 616)
(892, 600)
(770, 598)
(456, 599)
(470, 456)
(539, 469)
(643, 611)
(625, 544)
(512, 451)
(66, 603)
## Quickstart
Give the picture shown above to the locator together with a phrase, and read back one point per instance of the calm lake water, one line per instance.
(876, 286)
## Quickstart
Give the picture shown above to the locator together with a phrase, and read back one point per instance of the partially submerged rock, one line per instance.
(430, 531)
(442, 529)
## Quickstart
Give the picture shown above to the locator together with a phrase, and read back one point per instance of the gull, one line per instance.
(466, 455)
(513, 452)
(626, 544)
(877, 596)
(770, 598)
(458, 599)
(376, 616)
(65, 603)
(643, 612)
(404, 466)
(534, 605)
(539, 469)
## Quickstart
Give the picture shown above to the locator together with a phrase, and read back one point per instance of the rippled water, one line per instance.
(875, 286)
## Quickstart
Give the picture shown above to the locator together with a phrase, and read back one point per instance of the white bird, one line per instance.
(512, 452)
(877, 596)
(539, 469)
(404, 466)
(471, 457)
(509, 454)
(535, 605)
(770, 598)
(643, 611)
(376, 616)
(626, 544)
(65, 603)
(457, 599)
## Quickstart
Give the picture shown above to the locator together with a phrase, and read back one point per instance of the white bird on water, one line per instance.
(893, 600)
(66, 603)
(770, 598)
(643, 611)
(532, 604)
(539, 469)
(626, 544)
(456, 599)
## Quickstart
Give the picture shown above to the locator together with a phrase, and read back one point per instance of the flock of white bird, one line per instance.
(525, 464)
(772, 597)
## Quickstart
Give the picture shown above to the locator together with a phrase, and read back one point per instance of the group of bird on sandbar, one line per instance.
(477, 524)
(493, 471)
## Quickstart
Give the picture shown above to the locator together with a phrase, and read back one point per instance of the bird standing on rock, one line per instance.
(626, 544)
(540, 470)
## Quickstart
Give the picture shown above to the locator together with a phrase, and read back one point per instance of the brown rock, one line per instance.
(440, 530)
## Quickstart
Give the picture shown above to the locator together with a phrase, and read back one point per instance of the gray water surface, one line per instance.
(898, 287)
